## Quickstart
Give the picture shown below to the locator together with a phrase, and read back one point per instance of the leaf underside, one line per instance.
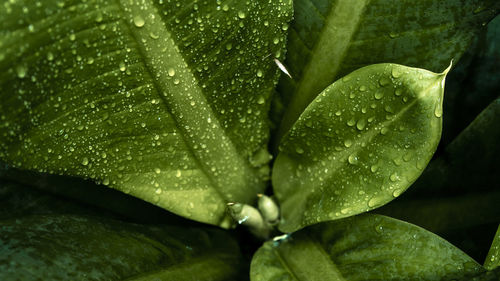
(330, 38)
(359, 144)
(164, 100)
(365, 247)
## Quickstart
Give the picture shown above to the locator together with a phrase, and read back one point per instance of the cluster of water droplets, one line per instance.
(363, 141)
(150, 98)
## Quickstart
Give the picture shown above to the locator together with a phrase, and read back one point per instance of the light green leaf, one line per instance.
(330, 38)
(164, 100)
(493, 258)
(365, 247)
(359, 145)
(85, 248)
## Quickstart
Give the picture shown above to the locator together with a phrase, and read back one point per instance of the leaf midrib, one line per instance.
(239, 180)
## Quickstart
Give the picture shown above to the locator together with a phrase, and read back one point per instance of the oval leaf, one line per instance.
(84, 248)
(365, 247)
(164, 100)
(328, 39)
(359, 144)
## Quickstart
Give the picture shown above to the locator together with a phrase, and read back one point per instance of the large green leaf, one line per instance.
(165, 100)
(330, 38)
(359, 145)
(365, 247)
(493, 259)
(84, 248)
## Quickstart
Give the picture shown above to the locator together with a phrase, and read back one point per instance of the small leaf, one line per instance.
(365, 247)
(163, 100)
(328, 39)
(85, 248)
(493, 258)
(359, 144)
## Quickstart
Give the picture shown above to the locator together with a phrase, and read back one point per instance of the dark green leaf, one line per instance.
(164, 100)
(469, 163)
(67, 191)
(493, 275)
(84, 248)
(493, 259)
(365, 247)
(330, 38)
(444, 214)
(18, 200)
(475, 85)
(359, 145)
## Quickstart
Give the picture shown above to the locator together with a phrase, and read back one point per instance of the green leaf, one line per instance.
(164, 100)
(85, 248)
(493, 258)
(365, 247)
(493, 275)
(68, 192)
(19, 200)
(359, 145)
(330, 38)
(475, 150)
(446, 214)
(475, 85)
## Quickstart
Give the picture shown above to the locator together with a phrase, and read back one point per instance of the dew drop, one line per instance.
(362, 88)
(353, 159)
(299, 150)
(139, 21)
(384, 81)
(379, 95)
(396, 73)
(348, 143)
(242, 15)
(21, 71)
(85, 161)
(178, 173)
(438, 111)
(394, 177)
(375, 201)
(360, 125)
(397, 192)
(171, 72)
(261, 100)
(157, 170)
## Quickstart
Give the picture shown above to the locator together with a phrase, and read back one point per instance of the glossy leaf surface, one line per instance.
(85, 248)
(164, 100)
(493, 259)
(359, 145)
(365, 247)
(330, 38)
